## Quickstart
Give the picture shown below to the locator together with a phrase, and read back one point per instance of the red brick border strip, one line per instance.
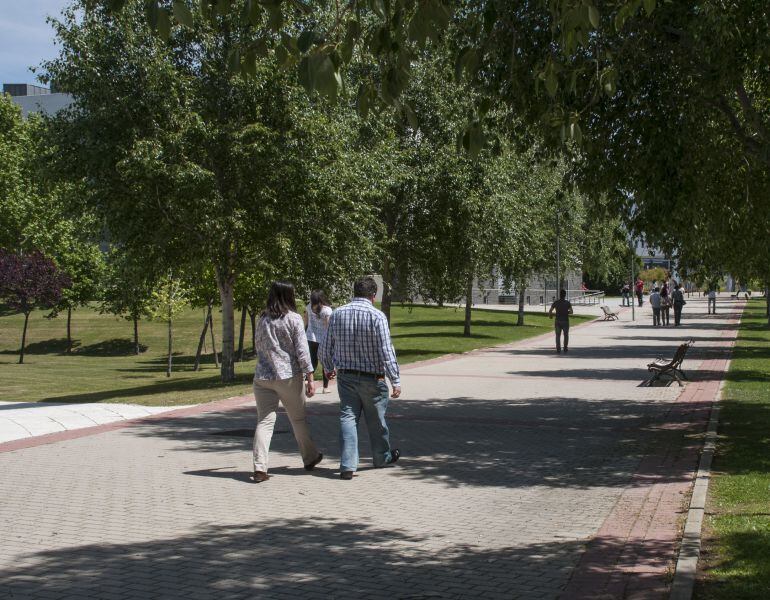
(632, 553)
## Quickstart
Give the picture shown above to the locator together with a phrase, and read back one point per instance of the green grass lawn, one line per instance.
(102, 367)
(736, 553)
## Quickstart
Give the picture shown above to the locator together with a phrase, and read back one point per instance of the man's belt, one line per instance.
(361, 373)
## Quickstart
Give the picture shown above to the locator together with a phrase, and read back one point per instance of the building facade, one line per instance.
(36, 99)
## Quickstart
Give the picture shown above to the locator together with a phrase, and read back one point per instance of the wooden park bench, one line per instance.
(608, 314)
(673, 367)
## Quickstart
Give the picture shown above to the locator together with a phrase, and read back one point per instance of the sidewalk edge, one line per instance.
(231, 403)
(683, 584)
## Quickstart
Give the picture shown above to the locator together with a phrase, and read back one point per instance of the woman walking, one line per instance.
(317, 315)
(284, 373)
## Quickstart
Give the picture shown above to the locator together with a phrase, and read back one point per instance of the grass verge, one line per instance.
(735, 561)
(102, 368)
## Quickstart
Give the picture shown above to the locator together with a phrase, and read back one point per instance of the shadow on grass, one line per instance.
(458, 323)
(171, 385)
(52, 346)
(107, 348)
(113, 347)
(457, 335)
(735, 565)
(414, 354)
(182, 362)
(6, 311)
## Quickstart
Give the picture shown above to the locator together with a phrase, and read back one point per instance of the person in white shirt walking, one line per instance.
(317, 315)
(712, 304)
(655, 303)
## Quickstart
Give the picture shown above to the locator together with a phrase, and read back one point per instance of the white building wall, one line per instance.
(43, 103)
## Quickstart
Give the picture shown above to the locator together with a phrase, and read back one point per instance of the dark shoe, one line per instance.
(346, 475)
(558, 350)
(259, 476)
(566, 350)
(312, 465)
(394, 456)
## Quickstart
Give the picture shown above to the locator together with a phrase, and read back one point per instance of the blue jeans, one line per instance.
(361, 393)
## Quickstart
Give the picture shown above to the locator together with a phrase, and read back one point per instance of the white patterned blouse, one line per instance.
(281, 345)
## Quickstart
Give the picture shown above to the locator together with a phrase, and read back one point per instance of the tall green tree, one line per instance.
(16, 188)
(127, 287)
(203, 165)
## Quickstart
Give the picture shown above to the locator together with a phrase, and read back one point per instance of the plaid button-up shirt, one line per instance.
(358, 339)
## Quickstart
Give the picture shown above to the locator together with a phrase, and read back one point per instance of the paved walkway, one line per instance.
(19, 420)
(524, 474)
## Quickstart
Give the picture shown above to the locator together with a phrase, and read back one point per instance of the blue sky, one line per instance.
(25, 38)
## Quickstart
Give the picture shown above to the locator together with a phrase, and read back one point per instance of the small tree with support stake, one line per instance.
(30, 281)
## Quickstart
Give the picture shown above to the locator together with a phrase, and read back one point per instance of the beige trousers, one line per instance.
(291, 393)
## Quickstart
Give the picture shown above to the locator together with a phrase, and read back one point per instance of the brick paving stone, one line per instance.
(517, 467)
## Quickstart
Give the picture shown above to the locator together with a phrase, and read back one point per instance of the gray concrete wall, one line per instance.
(44, 103)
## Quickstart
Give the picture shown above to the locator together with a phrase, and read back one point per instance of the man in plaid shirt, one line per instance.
(357, 346)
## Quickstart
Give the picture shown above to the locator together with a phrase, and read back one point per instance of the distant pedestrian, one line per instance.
(317, 315)
(640, 291)
(357, 345)
(563, 310)
(283, 373)
(678, 301)
(655, 303)
(665, 306)
(625, 292)
(712, 302)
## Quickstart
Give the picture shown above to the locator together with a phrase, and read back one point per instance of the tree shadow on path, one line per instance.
(555, 442)
(323, 557)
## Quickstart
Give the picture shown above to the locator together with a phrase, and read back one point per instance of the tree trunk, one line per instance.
(201, 340)
(468, 302)
(170, 348)
(136, 336)
(213, 341)
(69, 329)
(225, 283)
(520, 318)
(767, 302)
(241, 334)
(253, 318)
(387, 288)
(23, 338)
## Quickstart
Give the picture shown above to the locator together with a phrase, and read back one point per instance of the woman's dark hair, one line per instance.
(280, 300)
(317, 300)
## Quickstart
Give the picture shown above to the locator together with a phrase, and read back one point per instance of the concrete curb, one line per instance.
(683, 584)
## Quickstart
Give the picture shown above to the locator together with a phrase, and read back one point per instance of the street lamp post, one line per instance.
(633, 283)
(558, 257)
